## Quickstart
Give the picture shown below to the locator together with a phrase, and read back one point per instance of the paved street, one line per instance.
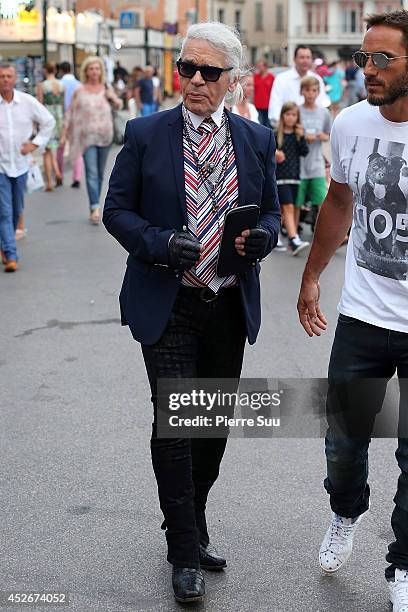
(79, 508)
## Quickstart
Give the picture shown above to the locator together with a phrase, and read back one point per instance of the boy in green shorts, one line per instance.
(317, 123)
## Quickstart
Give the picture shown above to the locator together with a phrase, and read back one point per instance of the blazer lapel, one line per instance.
(175, 128)
(239, 149)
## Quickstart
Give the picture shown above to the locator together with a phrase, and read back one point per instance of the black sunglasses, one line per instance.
(380, 60)
(209, 73)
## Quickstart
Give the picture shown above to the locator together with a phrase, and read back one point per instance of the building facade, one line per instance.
(148, 31)
(153, 14)
(231, 12)
(333, 28)
(261, 23)
(266, 24)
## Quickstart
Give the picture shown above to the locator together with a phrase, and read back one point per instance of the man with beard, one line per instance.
(371, 340)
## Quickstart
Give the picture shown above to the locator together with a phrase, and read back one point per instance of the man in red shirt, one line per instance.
(263, 81)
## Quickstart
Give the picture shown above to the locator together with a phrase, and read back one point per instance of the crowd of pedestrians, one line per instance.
(299, 104)
(294, 103)
(140, 91)
(65, 110)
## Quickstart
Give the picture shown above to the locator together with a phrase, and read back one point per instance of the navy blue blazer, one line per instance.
(146, 202)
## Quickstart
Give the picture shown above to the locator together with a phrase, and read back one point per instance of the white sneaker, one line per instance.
(279, 245)
(338, 543)
(95, 216)
(399, 591)
(296, 245)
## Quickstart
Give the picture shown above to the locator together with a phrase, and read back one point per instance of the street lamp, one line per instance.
(45, 32)
(74, 49)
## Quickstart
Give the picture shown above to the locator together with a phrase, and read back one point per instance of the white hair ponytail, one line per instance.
(235, 97)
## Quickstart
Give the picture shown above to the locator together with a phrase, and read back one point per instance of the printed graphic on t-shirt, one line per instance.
(377, 172)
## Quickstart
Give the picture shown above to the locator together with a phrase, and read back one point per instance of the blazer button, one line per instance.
(254, 263)
(184, 228)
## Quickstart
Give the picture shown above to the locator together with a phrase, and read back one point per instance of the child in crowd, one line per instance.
(317, 123)
(290, 147)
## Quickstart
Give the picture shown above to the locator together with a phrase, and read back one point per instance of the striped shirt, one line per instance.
(203, 222)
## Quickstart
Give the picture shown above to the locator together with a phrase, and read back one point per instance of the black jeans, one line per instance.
(263, 117)
(205, 340)
(363, 351)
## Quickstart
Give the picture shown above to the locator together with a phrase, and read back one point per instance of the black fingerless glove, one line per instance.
(184, 251)
(255, 244)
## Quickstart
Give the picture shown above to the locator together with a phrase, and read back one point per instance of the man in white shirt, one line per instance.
(369, 143)
(70, 85)
(18, 113)
(286, 87)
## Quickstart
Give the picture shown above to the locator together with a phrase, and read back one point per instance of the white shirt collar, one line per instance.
(16, 98)
(197, 120)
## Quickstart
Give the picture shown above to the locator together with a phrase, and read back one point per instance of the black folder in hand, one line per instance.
(236, 221)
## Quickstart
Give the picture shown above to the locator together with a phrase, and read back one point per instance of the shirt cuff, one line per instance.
(40, 141)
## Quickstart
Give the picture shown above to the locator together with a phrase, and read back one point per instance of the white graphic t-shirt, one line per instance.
(370, 154)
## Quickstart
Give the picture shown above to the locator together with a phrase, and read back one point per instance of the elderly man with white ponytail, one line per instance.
(180, 171)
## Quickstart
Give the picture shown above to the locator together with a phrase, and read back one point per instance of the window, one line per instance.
(317, 17)
(352, 17)
(277, 58)
(238, 20)
(221, 15)
(279, 18)
(258, 16)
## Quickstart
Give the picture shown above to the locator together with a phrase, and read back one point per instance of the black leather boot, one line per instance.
(188, 584)
(210, 559)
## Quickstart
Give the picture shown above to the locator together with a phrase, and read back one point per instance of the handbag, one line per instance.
(35, 181)
(119, 122)
(119, 126)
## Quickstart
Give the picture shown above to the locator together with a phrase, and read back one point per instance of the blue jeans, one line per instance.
(364, 357)
(95, 161)
(11, 207)
(148, 109)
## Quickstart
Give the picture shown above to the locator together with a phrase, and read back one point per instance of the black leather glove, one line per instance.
(184, 251)
(255, 243)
